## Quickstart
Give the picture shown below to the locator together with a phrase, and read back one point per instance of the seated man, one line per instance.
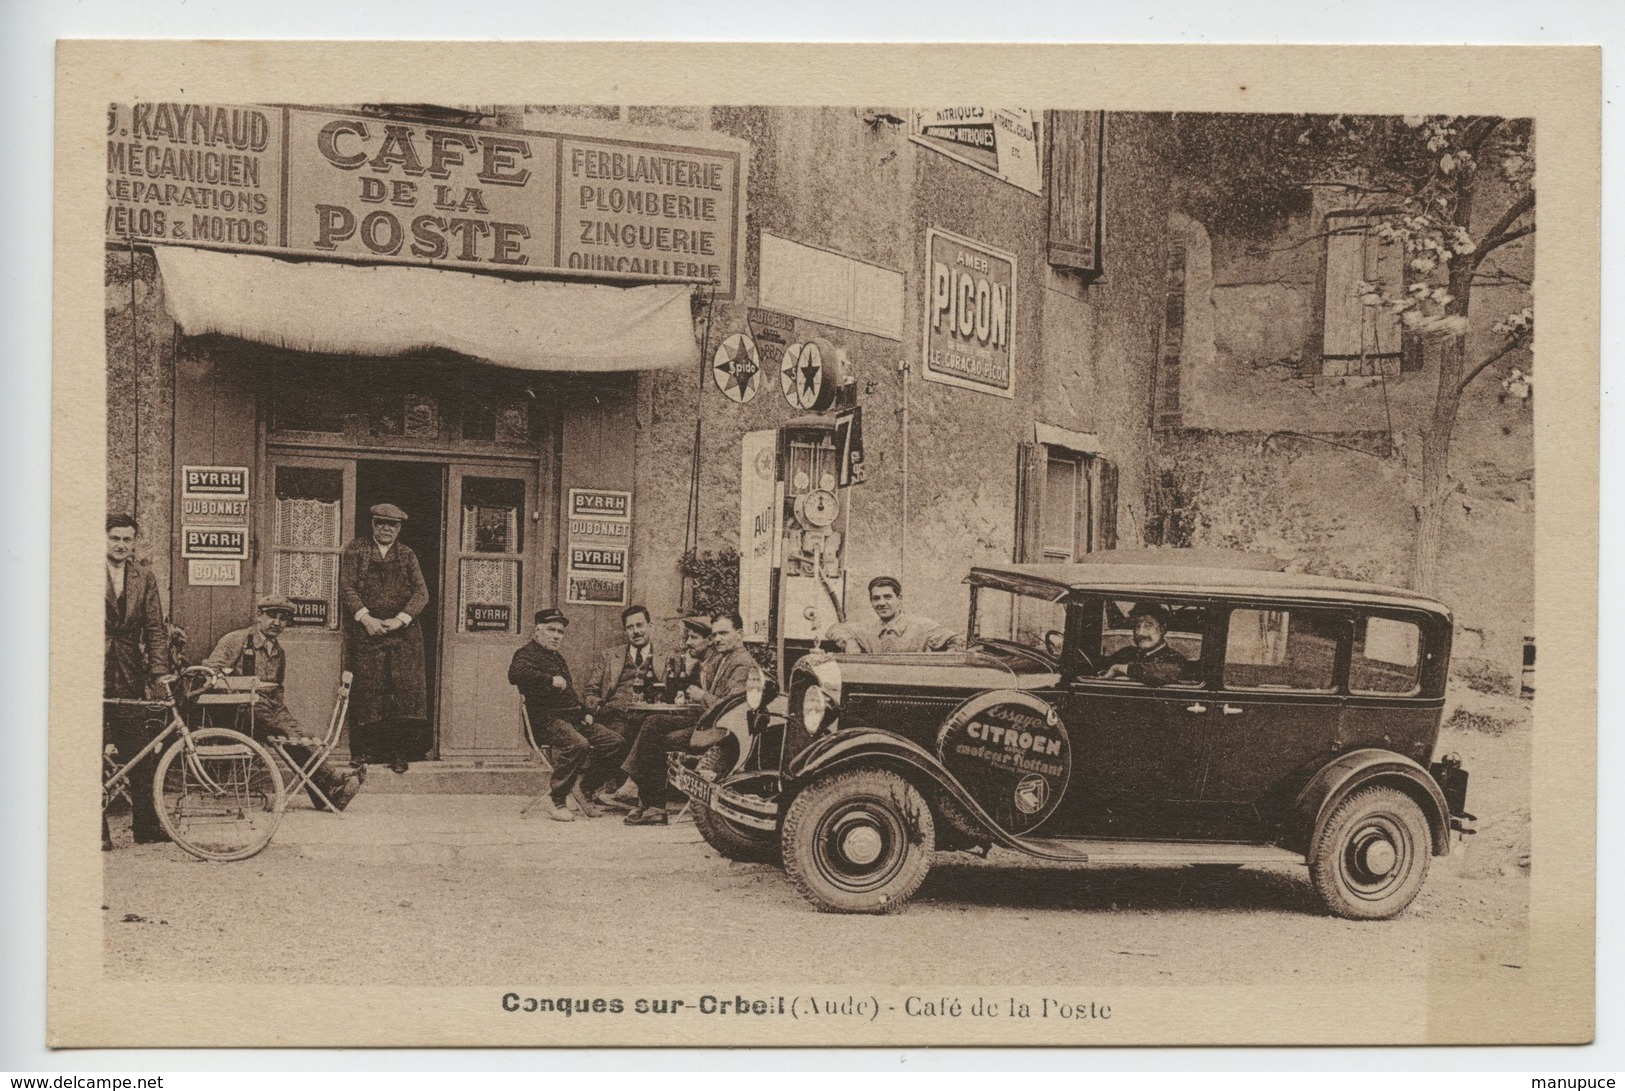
(893, 630)
(586, 752)
(721, 676)
(619, 673)
(681, 673)
(1149, 659)
(256, 651)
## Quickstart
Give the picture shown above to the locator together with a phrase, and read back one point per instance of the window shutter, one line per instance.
(1030, 465)
(1108, 504)
(1076, 146)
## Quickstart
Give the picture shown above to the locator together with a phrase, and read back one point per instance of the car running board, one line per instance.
(1159, 853)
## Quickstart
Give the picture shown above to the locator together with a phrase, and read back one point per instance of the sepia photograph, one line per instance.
(741, 571)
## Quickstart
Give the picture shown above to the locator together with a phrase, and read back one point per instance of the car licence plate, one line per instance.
(691, 784)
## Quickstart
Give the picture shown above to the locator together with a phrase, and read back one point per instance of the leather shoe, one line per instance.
(586, 808)
(345, 792)
(399, 765)
(151, 837)
(608, 799)
(648, 816)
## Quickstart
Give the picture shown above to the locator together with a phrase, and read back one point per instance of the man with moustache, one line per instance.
(584, 751)
(1149, 659)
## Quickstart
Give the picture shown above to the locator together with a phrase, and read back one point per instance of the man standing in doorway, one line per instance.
(136, 654)
(721, 676)
(382, 594)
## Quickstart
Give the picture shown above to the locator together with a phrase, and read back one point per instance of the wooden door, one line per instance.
(310, 504)
(489, 594)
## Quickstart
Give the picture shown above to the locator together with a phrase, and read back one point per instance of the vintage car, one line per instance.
(1276, 718)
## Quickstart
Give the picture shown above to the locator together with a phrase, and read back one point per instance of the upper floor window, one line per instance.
(1360, 337)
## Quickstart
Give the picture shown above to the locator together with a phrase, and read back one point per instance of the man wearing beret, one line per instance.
(257, 651)
(585, 751)
(382, 594)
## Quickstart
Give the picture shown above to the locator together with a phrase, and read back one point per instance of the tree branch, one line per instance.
(1498, 241)
(1508, 218)
(1515, 343)
(1498, 276)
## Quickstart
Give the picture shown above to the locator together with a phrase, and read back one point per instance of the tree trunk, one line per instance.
(1436, 488)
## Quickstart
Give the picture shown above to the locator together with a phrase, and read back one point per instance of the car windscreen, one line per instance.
(1023, 619)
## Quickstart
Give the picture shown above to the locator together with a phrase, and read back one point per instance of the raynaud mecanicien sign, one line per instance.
(286, 178)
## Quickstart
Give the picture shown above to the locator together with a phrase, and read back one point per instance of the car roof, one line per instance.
(1052, 581)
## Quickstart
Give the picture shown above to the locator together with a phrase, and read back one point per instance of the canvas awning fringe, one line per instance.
(399, 310)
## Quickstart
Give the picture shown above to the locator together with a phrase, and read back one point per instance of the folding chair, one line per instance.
(544, 755)
(320, 747)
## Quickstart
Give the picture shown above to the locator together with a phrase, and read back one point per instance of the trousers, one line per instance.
(648, 765)
(590, 753)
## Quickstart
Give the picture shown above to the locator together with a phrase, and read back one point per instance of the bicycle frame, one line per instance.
(177, 723)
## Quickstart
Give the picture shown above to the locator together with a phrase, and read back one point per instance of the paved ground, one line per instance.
(458, 890)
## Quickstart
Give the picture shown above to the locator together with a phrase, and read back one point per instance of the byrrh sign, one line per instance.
(970, 311)
(370, 187)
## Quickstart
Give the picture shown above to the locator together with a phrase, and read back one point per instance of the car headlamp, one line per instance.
(759, 689)
(814, 706)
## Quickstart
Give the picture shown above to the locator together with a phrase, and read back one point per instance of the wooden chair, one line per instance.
(544, 755)
(320, 747)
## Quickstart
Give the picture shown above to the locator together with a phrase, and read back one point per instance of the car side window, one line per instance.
(1282, 650)
(1387, 658)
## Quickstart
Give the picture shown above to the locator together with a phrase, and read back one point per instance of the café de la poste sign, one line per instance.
(365, 187)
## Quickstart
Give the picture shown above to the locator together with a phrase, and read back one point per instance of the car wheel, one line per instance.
(1373, 856)
(730, 839)
(858, 842)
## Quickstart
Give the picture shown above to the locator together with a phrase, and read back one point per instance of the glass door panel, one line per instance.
(488, 600)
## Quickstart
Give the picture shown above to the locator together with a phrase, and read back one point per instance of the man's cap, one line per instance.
(388, 511)
(1155, 610)
(551, 614)
(274, 603)
(699, 623)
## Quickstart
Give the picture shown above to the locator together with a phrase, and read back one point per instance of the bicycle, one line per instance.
(218, 793)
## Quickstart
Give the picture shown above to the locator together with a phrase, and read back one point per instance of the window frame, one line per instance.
(1342, 615)
(1407, 350)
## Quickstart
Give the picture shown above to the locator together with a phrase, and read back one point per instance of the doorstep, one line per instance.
(459, 777)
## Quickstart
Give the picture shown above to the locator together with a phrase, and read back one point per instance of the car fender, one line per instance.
(1357, 769)
(871, 746)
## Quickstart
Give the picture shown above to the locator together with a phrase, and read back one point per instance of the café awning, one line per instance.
(394, 310)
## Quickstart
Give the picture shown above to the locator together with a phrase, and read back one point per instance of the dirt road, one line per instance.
(408, 895)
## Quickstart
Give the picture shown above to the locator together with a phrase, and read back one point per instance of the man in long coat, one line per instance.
(136, 652)
(382, 595)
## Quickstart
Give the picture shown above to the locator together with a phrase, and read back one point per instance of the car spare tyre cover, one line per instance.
(1011, 752)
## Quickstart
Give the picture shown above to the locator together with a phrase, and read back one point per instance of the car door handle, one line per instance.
(1232, 710)
(1197, 707)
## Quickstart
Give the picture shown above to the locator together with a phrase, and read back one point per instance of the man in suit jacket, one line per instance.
(618, 672)
(136, 653)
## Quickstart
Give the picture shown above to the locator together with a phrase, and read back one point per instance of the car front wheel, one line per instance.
(858, 842)
(730, 839)
(1373, 855)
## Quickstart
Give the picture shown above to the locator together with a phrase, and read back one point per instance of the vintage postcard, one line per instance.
(731, 544)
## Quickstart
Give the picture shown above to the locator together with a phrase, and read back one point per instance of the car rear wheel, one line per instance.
(1373, 855)
(858, 842)
(730, 839)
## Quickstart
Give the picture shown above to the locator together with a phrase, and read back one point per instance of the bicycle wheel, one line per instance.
(221, 798)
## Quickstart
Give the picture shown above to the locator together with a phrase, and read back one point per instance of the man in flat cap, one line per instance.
(382, 594)
(585, 751)
(1148, 659)
(256, 651)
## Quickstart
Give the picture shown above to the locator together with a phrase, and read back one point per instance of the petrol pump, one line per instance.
(794, 513)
